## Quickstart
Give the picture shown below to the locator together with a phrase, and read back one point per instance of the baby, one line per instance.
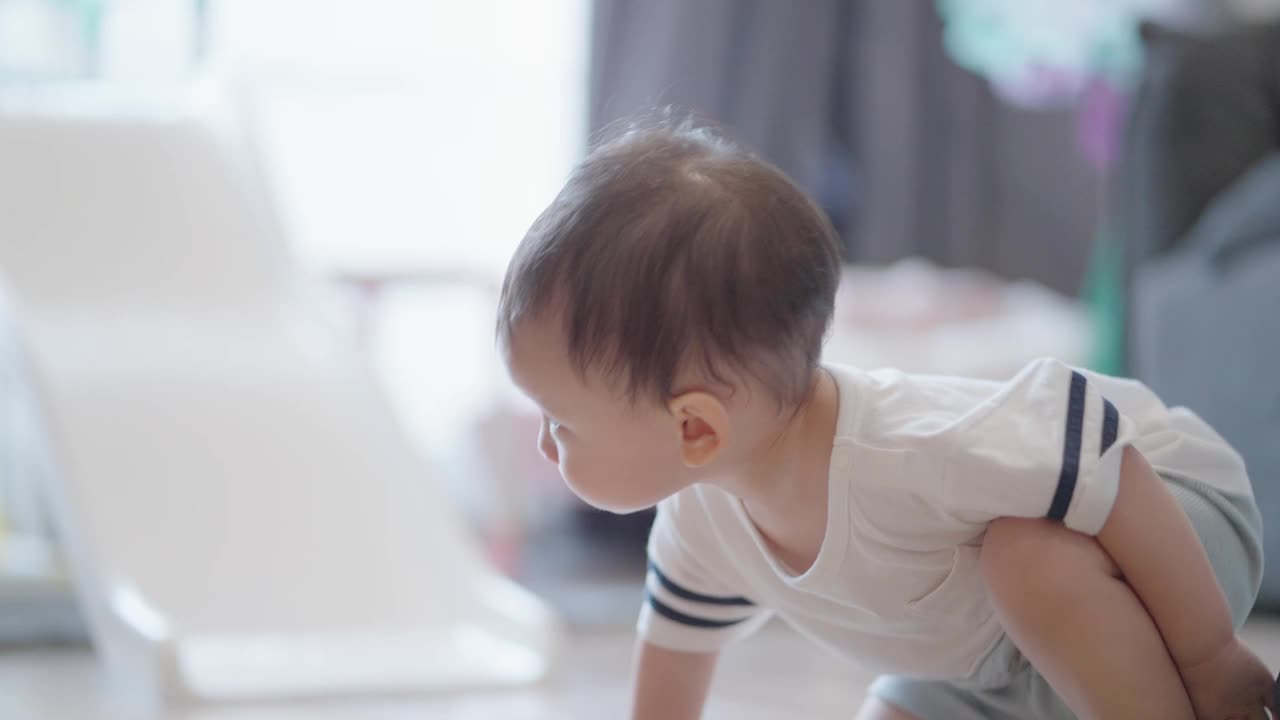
(1058, 545)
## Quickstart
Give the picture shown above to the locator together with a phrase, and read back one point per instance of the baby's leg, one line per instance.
(1062, 600)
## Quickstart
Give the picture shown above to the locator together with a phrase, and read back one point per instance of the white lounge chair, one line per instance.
(242, 515)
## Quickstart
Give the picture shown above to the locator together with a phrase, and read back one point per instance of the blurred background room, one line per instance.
(256, 442)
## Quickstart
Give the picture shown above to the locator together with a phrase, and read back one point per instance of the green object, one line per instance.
(1103, 291)
(1021, 44)
(61, 40)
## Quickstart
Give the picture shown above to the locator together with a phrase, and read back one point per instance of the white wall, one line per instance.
(418, 134)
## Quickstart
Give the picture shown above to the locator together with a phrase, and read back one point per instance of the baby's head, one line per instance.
(666, 312)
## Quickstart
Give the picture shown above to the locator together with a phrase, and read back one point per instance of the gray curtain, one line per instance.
(857, 101)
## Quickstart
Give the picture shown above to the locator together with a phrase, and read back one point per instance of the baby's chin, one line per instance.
(611, 503)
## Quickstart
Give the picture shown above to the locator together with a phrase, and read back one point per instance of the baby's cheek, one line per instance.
(570, 472)
(588, 494)
(591, 486)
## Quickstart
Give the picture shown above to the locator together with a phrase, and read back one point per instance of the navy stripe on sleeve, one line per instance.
(1110, 425)
(670, 586)
(671, 613)
(1070, 449)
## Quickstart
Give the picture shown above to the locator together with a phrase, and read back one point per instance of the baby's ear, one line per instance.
(701, 425)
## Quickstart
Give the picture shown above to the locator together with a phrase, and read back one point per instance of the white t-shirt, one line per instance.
(920, 465)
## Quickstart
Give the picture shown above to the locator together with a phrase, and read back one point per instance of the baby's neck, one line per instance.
(784, 487)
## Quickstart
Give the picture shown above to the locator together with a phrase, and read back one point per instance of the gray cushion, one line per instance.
(1245, 217)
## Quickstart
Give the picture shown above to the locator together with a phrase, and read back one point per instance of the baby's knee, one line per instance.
(1041, 558)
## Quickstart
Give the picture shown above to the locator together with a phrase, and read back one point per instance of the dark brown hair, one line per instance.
(671, 248)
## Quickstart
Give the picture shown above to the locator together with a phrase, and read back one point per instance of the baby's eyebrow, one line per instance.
(542, 404)
(551, 414)
(534, 398)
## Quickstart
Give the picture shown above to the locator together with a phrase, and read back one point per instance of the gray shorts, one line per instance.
(1007, 686)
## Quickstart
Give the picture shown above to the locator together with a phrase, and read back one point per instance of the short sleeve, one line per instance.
(1048, 444)
(685, 609)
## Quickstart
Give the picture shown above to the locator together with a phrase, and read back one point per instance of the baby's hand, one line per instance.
(1231, 685)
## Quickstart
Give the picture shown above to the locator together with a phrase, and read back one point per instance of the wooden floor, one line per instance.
(773, 675)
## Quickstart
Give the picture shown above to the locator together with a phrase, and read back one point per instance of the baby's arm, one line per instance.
(1160, 557)
(670, 685)
(1131, 623)
(1156, 549)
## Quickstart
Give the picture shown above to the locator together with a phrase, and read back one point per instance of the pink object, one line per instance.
(915, 295)
(1098, 133)
(920, 318)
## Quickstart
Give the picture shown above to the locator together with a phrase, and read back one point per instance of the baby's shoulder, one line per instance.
(893, 410)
